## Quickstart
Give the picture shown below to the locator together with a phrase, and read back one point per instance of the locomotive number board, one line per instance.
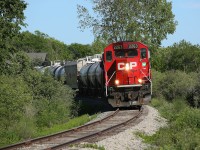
(130, 46)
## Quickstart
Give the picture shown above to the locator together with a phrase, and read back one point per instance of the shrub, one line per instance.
(157, 78)
(14, 97)
(51, 99)
(183, 130)
(176, 85)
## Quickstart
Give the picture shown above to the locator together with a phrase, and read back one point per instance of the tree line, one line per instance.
(56, 50)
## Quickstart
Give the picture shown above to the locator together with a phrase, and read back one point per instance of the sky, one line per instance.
(58, 19)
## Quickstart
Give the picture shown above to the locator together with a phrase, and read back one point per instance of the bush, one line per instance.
(51, 99)
(183, 131)
(29, 101)
(157, 78)
(177, 85)
(14, 97)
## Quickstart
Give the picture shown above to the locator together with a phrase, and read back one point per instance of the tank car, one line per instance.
(56, 70)
(122, 75)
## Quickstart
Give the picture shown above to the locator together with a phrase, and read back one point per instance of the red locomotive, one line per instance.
(122, 75)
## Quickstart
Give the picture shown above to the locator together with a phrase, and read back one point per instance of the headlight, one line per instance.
(140, 80)
(116, 82)
(127, 67)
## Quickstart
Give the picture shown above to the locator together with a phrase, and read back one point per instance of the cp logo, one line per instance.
(131, 65)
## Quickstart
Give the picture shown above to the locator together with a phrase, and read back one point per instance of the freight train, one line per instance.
(122, 74)
(56, 69)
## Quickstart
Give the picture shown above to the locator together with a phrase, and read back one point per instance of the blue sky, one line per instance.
(58, 19)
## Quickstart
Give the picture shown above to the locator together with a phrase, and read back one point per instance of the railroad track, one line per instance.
(88, 132)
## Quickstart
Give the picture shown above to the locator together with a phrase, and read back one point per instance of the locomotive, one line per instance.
(122, 74)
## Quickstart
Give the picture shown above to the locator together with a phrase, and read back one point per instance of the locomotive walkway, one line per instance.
(87, 133)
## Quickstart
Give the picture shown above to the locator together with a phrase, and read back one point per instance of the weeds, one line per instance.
(13, 137)
(94, 146)
(69, 125)
(183, 130)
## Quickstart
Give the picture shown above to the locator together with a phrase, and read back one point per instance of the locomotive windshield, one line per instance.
(120, 53)
(126, 53)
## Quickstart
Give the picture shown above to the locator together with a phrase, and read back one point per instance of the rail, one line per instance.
(49, 137)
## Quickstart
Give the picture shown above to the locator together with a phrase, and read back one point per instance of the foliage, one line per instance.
(93, 146)
(98, 45)
(51, 99)
(18, 64)
(177, 84)
(30, 101)
(184, 56)
(75, 122)
(157, 78)
(11, 20)
(56, 50)
(194, 97)
(40, 42)
(183, 130)
(146, 21)
(180, 56)
(80, 50)
(14, 98)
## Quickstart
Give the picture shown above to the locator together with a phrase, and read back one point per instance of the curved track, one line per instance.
(88, 132)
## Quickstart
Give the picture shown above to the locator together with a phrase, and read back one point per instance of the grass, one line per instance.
(10, 137)
(94, 146)
(183, 130)
(78, 121)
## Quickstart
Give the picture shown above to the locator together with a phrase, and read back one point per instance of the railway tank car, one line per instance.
(122, 74)
(56, 70)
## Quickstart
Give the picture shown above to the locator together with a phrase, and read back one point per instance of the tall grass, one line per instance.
(13, 137)
(183, 130)
(75, 122)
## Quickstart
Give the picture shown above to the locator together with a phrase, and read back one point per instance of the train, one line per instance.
(121, 74)
(56, 69)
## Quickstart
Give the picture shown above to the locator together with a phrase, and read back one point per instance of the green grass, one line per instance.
(10, 137)
(66, 126)
(94, 146)
(183, 130)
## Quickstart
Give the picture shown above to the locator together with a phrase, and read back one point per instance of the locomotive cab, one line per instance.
(127, 74)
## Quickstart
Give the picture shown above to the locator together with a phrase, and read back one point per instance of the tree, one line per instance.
(15, 95)
(80, 50)
(184, 56)
(180, 56)
(98, 45)
(141, 20)
(41, 42)
(11, 20)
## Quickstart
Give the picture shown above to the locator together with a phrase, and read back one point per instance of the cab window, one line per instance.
(108, 56)
(126, 53)
(132, 53)
(120, 53)
(143, 53)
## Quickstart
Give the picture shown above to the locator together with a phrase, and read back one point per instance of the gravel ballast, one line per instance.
(128, 140)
